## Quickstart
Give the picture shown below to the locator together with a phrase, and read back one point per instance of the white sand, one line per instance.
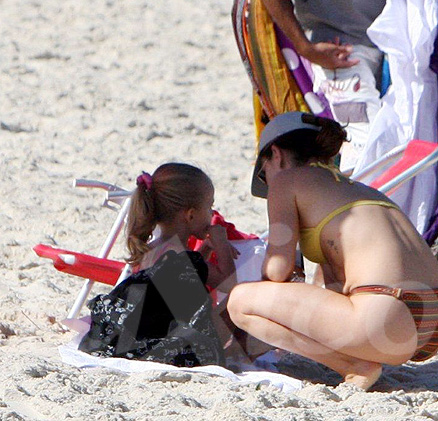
(102, 90)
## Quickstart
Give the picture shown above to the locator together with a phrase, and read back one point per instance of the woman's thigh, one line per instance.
(377, 328)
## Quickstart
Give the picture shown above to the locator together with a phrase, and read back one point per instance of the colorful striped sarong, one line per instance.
(423, 305)
(279, 76)
(275, 87)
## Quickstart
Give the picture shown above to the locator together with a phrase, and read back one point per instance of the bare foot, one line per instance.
(364, 374)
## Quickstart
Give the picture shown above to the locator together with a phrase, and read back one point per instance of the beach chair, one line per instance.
(93, 268)
(399, 165)
(410, 159)
(281, 79)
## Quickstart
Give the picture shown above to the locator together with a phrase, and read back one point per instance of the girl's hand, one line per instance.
(206, 249)
(217, 237)
(217, 234)
(223, 274)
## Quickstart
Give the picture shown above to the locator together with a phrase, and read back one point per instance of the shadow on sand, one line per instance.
(409, 377)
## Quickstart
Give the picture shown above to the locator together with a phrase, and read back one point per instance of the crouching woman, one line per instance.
(380, 301)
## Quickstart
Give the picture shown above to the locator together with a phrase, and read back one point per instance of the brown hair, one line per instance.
(174, 187)
(305, 144)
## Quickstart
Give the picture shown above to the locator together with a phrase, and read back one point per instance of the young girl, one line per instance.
(178, 199)
(162, 312)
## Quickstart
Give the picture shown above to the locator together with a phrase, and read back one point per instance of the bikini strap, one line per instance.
(350, 205)
(332, 168)
(377, 289)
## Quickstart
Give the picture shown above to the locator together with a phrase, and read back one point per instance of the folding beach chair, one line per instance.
(410, 159)
(94, 269)
(279, 76)
(413, 158)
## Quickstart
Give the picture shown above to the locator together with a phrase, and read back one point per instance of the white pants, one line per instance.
(353, 97)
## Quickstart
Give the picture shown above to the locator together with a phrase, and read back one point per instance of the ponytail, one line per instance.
(330, 139)
(141, 223)
(157, 199)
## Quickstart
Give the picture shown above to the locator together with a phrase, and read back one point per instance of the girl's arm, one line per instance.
(279, 262)
(223, 275)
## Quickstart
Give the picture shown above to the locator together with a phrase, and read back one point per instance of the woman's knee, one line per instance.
(237, 303)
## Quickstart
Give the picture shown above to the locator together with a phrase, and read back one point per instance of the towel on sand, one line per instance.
(263, 371)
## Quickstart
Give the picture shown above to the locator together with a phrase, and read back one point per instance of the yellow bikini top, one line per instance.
(310, 238)
(310, 241)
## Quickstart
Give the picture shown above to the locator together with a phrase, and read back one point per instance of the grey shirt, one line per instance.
(323, 20)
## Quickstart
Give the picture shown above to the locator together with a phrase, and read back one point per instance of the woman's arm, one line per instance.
(279, 263)
(330, 55)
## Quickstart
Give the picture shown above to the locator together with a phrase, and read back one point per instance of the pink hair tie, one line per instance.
(145, 179)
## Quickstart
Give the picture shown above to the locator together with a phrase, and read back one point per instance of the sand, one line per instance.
(102, 90)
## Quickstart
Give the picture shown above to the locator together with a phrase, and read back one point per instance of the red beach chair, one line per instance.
(410, 160)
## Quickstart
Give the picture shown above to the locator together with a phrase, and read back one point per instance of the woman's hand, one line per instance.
(279, 262)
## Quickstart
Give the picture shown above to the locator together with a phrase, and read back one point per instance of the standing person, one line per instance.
(380, 301)
(346, 64)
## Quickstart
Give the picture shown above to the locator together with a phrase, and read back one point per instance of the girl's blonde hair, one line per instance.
(173, 187)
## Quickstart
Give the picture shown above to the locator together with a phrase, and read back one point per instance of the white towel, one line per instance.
(252, 374)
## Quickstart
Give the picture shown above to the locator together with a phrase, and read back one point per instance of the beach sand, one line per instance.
(102, 90)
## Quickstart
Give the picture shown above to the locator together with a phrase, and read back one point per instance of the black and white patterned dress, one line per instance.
(160, 314)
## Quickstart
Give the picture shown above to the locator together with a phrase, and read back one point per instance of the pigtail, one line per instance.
(141, 224)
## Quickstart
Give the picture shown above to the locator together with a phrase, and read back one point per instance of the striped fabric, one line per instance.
(279, 90)
(423, 305)
(276, 90)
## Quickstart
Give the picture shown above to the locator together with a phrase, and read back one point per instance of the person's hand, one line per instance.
(217, 237)
(330, 55)
(217, 234)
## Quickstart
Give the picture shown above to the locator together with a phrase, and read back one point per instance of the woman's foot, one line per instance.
(364, 374)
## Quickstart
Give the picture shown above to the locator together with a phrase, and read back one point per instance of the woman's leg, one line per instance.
(346, 334)
(354, 370)
(236, 342)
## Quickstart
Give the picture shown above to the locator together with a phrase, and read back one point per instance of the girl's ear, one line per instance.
(189, 214)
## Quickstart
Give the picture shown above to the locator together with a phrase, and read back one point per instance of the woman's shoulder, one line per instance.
(317, 179)
(293, 179)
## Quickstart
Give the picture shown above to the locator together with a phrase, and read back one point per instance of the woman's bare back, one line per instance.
(367, 244)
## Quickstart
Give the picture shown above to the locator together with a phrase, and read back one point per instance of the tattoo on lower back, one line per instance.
(331, 243)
